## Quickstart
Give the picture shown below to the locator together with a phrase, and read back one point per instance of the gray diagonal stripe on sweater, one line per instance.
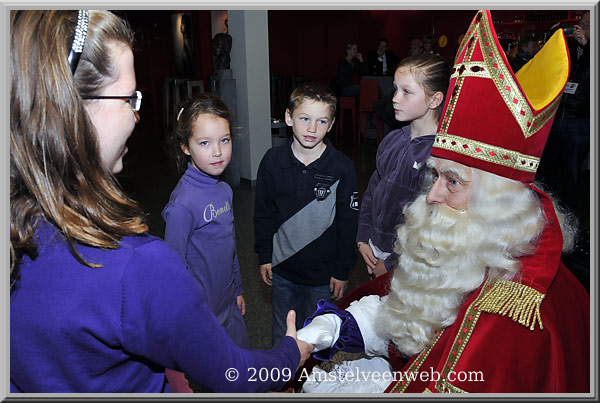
(305, 226)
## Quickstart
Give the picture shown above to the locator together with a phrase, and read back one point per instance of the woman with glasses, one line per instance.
(97, 304)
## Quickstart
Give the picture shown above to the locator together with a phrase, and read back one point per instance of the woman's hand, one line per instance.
(305, 348)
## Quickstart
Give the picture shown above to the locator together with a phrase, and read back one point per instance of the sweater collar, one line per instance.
(198, 177)
(319, 164)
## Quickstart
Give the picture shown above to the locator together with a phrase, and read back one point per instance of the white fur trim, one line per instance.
(365, 311)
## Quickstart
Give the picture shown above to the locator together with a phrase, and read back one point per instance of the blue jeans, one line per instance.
(288, 295)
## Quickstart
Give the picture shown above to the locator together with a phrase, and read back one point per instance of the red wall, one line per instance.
(311, 42)
(154, 62)
(301, 42)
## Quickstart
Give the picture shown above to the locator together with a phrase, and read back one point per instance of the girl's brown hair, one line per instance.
(206, 103)
(432, 72)
(56, 171)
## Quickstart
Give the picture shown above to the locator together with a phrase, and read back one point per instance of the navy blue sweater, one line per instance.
(306, 217)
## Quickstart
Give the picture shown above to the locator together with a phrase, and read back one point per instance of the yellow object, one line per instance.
(443, 41)
(544, 77)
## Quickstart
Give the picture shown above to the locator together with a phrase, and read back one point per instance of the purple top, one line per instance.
(116, 328)
(199, 226)
(397, 180)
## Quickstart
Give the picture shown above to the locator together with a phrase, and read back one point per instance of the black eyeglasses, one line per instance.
(135, 101)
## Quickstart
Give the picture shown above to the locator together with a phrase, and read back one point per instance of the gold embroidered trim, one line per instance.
(443, 386)
(427, 391)
(401, 385)
(504, 80)
(496, 296)
(470, 37)
(519, 301)
(470, 32)
(471, 69)
(480, 32)
(486, 152)
(460, 342)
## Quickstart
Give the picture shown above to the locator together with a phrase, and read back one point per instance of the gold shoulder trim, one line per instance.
(520, 302)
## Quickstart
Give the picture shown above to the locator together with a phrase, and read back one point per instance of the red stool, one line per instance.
(346, 103)
(369, 95)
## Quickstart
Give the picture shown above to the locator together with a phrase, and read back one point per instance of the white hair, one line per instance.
(445, 254)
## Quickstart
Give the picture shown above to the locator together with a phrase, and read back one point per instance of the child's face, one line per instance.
(210, 144)
(310, 123)
(410, 101)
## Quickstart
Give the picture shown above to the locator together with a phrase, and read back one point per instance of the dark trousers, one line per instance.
(288, 295)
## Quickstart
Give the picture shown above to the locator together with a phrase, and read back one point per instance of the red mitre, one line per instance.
(496, 120)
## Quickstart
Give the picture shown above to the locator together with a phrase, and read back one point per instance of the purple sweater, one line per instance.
(199, 226)
(397, 180)
(116, 328)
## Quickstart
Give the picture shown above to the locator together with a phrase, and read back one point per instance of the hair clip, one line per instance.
(81, 29)
(179, 114)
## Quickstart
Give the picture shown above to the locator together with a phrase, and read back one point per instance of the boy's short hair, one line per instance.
(313, 91)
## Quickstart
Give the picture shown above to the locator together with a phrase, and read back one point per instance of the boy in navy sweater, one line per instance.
(306, 211)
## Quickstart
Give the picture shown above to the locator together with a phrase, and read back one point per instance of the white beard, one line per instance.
(439, 266)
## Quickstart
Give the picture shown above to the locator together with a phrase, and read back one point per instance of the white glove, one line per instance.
(322, 332)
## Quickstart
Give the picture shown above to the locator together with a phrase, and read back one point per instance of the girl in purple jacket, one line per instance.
(421, 83)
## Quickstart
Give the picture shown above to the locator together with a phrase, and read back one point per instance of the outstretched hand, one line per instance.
(305, 348)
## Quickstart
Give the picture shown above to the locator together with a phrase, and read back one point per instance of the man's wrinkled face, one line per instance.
(451, 183)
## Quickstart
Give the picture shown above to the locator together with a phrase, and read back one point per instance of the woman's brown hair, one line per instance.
(56, 171)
